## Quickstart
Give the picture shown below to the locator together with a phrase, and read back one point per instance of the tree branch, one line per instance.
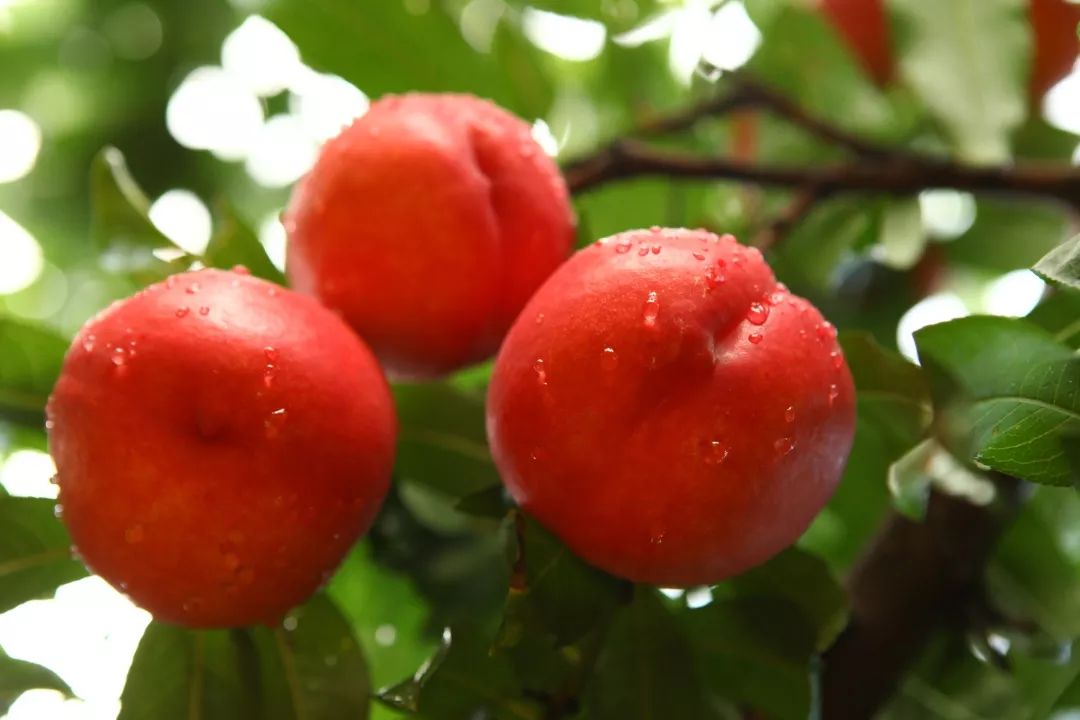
(911, 580)
(902, 175)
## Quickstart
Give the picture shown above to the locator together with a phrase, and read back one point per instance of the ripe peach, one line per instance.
(427, 224)
(864, 25)
(220, 444)
(669, 410)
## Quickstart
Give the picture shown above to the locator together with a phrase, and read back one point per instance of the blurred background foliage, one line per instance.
(213, 109)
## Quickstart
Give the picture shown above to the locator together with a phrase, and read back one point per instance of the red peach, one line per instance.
(669, 410)
(427, 224)
(220, 444)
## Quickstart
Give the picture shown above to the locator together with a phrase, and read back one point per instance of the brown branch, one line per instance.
(914, 578)
(749, 94)
(627, 159)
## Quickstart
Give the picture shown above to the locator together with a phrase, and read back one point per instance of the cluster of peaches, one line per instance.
(658, 400)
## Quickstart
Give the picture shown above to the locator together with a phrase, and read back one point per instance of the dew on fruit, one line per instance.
(837, 359)
(657, 539)
(270, 371)
(58, 511)
(789, 414)
(272, 292)
(655, 249)
(204, 310)
(655, 229)
(784, 446)
(609, 359)
(715, 452)
(539, 318)
(758, 313)
(651, 310)
(713, 278)
(698, 255)
(537, 454)
(240, 270)
(777, 297)
(623, 246)
(134, 534)
(754, 254)
(541, 371)
(755, 338)
(192, 288)
(275, 422)
(834, 392)
(643, 251)
(802, 332)
(88, 343)
(728, 238)
(826, 331)
(182, 311)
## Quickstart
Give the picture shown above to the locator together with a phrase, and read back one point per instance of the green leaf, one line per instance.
(756, 642)
(816, 247)
(893, 413)
(32, 358)
(967, 61)
(1006, 394)
(386, 613)
(442, 443)
(902, 237)
(121, 220)
(1061, 266)
(461, 681)
(807, 585)
(992, 241)
(313, 670)
(909, 481)
(1059, 315)
(234, 243)
(801, 56)
(1035, 569)
(552, 591)
(18, 676)
(383, 47)
(646, 669)
(35, 551)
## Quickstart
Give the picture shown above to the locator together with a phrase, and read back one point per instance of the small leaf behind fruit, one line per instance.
(35, 551)
(312, 669)
(462, 680)
(1061, 266)
(32, 357)
(1007, 395)
(121, 221)
(18, 676)
(234, 243)
(442, 443)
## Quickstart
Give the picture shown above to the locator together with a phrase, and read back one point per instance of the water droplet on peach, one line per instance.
(789, 414)
(755, 338)
(204, 310)
(651, 310)
(715, 452)
(784, 446)
(541, 372)
(758, 313)
(609, 359)
(834, 392)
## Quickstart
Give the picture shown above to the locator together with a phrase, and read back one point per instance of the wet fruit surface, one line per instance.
(427, 224)
(217, 464)
(677, 417)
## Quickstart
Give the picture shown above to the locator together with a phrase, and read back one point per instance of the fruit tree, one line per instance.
(540, 359)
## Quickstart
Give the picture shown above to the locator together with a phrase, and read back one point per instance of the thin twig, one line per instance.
(627, 159)
(786, 221)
